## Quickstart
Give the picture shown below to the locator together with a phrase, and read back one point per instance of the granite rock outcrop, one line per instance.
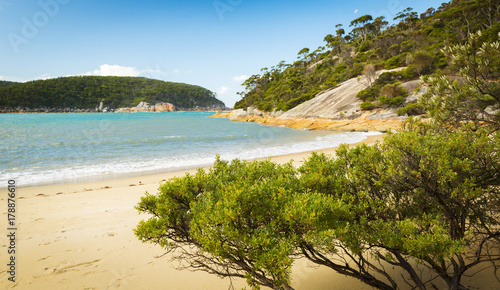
(336, 109)
(145, 107)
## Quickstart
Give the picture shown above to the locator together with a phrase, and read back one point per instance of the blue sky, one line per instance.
(212, 43)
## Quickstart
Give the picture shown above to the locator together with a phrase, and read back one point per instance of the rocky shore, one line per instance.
(363, 123)
(145, 107)
(336, 109)
(141, 107)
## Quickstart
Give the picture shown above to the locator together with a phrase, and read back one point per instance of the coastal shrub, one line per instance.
(293, 103)
(393, 76)
(365, 46)
(396, 61)
(367, 106)
(421, 61)
(412, 109)
(239, 219)
(265, 106)
(391, 102)
(356, 70)
(408, 73)
(368, 94)
(339, 69)
(392, 95)
(426, 198)
(476, 98)
(387, 78)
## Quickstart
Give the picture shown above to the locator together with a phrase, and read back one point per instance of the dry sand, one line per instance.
(79, 236)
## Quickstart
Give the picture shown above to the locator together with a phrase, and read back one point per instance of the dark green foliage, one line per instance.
(86, 92)
(396, 61)
(421, 61)
(426, 198)
(393, 76)
(367, 106)
(221, 216)
(387, 90)
(392, 95)
(356, 70)
(264, 106)
(364, 47)
(476, 97)
(412, 109)
(6, 84)
(368, 94)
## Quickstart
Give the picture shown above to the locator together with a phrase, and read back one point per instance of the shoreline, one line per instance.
(364, 123)
(150, 177)
(107, 112)
(79, 236)
(297, 158)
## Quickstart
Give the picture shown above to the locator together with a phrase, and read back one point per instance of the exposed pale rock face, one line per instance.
(336, 109)
(338, 103)
(145, 107)
(360, 124)
(163, 107)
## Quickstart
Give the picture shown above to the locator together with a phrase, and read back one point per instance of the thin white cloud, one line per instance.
(240, 79)
(115, 70)
(43, 77)
(356, 11)
(222, 90)
(14, 79)
(120, 71)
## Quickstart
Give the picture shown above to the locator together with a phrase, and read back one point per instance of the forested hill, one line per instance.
(414, 41)
(87, 92)
(6, 84)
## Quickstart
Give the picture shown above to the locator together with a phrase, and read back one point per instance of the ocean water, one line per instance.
(38, 149)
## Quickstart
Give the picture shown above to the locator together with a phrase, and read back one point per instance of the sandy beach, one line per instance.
(79, 236)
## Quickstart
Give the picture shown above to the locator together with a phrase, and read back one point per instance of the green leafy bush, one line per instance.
(412, 109)
(393, 76)
(396, 61)
(365, 46)
(264, 106)
(393, 95)
(366, 106)
(368, 94)
(407, 195)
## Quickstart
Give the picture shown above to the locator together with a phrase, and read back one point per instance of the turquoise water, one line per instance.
(38, 149)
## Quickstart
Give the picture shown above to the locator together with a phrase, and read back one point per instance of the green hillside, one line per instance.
(415, 41)
(86, 92)
(6, 84)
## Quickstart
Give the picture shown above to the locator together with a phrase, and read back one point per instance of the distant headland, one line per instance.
(104, 94)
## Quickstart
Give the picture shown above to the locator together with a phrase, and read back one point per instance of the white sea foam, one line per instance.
(140, 166)
(38, 152)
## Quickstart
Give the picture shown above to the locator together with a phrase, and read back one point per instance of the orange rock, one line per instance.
(359, 124)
